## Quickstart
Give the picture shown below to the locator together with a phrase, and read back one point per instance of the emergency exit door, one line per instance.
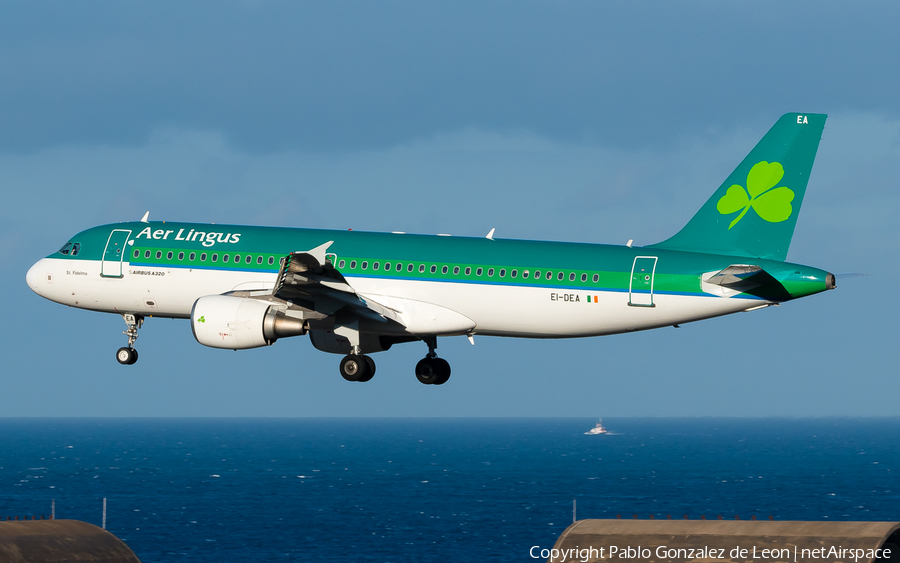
(640, 290)
(114, 253)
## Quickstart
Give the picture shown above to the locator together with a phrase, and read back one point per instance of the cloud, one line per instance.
(273, 77)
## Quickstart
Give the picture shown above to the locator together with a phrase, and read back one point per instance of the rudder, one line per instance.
(753, 213)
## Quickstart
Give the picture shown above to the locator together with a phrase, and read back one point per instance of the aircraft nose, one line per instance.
(35, 276)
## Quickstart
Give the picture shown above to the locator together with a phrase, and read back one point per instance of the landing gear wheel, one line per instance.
(126, 356)
(428, 371)
(370, 372)
(355, 368)
(444, 369)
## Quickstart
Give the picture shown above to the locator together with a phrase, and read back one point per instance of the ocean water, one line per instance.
(404, 490)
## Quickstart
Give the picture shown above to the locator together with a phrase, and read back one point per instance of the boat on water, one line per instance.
(599, 429)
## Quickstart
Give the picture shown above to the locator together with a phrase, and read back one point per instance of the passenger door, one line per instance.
(640, 290)
(114, 253)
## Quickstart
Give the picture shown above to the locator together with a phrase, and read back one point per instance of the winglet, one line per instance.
(146, 218)
(490, 235)
(319, 252)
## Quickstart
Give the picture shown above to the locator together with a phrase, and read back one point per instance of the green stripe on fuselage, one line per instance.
(676, 272)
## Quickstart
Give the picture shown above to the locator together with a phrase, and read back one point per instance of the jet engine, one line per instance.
(237, 323)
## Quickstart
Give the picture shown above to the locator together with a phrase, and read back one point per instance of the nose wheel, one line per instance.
(128, 355)
(432, 370)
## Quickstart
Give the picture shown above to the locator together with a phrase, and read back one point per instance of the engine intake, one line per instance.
(237, 323)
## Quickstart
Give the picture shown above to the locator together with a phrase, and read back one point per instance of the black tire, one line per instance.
(126, 356)
(353, 367)
(370, 372)
(444, 369)
(134, 356)
(427, 371)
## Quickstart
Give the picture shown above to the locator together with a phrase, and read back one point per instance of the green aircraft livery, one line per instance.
(357, 293)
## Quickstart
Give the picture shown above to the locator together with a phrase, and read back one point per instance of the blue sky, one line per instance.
(583, 121)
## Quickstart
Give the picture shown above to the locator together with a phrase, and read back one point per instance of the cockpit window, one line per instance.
(71, 249)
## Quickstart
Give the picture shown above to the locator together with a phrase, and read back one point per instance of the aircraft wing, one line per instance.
(308, 279)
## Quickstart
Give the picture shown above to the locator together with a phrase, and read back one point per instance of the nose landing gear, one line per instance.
(128, 355)
(432, 370)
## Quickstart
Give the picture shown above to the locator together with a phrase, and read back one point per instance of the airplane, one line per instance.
(357, 293)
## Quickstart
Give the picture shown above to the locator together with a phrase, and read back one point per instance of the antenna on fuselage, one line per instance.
(146, 218)
(490, 235)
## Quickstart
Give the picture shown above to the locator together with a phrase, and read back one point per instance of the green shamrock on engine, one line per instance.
(772, 205)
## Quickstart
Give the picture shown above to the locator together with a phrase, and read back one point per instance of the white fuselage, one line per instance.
(494, 309)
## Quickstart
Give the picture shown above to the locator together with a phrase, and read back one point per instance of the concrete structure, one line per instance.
(60, 541)
(727, 541)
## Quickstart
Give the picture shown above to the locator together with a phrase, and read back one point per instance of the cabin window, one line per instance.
(181, 255)
(248, 259)
(353, 264)
(514, 273)
(365, 265)
(169, 255)
(387, 266)
(490, 272)
(502, 272)
(399, 267)
(444, 270)
(572, 276)
(224, 258)
(455, 270)
(374, 265)
(525, 274)
(410, 268)
(537, 274)
(137, 253)
(596, 278)
(479, 271)
(421, 268)
(158, 254)
(203, 257)
(215, 257)
(468, 271)
(259, 259)
(433, 268)
(341, 264)
(146, 254)
(549, 275)
(271, 260)
(237, 258)
(560, 276)
(584, 277)
(66, 248)
(193, 256)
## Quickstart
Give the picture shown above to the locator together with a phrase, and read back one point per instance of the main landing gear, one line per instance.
(357, 367)
(432, 370)
(128, 355)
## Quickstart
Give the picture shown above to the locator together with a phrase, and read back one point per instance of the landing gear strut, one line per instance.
(128, 355)
(432, 370)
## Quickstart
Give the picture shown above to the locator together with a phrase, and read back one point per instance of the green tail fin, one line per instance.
(754, 211)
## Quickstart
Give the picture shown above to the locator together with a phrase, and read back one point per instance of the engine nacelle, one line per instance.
(237, 323)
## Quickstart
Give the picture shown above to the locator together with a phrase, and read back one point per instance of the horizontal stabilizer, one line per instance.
(744, 278)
